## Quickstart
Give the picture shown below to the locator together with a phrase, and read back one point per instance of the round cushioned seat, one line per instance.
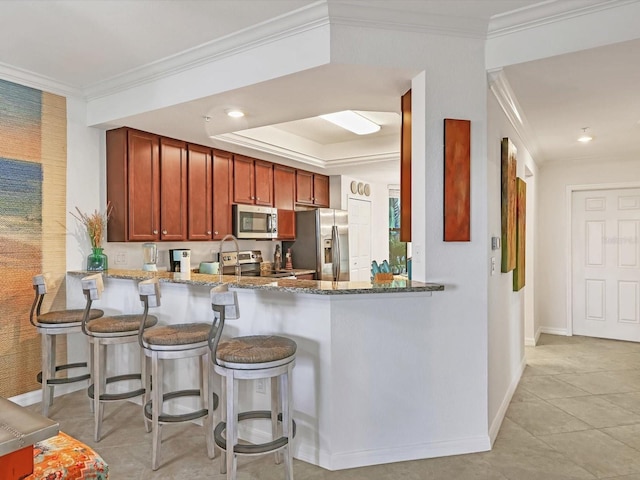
(255, 349)
(179, 334)
(119, 324)
(67, 316)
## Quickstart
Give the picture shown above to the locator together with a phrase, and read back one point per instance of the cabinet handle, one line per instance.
(253, 198)
(215, 233)
(155, 232)
(209, 232)
(164, 232)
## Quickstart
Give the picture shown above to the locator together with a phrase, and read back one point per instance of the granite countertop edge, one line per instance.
(316, 287)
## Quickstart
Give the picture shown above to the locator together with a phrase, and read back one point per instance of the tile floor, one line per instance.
(575, 415)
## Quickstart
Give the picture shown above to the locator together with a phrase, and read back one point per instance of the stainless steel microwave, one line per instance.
(250, 221)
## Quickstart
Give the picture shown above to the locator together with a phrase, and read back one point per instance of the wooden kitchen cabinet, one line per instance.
(306, 276)
(284, 187)
(147, 187)
(252, 181)
(222, 194)
(284, 198)
(173, 190)
(133, 185)
(199, 193)
(312, 189)
(320, 190)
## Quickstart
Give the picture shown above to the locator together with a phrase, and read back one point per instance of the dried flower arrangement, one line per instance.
(95, 223)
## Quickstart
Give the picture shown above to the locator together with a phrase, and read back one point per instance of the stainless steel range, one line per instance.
(249, 262)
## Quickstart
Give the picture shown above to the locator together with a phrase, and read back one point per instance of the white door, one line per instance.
(605, 263)
(359, 239)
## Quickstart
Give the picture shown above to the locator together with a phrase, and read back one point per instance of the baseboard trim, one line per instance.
(481, 443)
(35, 396)
(532, 342)
(494, 429)
(363, 458)
(554, 331)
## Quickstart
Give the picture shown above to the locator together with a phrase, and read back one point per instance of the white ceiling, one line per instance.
(82, 44)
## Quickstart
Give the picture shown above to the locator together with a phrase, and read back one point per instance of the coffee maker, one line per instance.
(180, 260)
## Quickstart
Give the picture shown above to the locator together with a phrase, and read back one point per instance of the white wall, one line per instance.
(552, 264)
(506, 307)
(86, 171)
(379, 198)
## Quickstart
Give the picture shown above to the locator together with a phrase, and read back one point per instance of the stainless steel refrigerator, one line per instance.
(322, 243)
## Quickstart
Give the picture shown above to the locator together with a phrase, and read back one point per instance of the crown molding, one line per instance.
(355, 13)
(504, 94)
(549, 11)
(315, 15)
(303, 158)
(304, 19)
(35, 80)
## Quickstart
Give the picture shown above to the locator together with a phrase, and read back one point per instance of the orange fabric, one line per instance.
(64, 457)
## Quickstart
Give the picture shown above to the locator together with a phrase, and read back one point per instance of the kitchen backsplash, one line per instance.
(128, 255)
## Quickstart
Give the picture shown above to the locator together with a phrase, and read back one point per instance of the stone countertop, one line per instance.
(318, 287)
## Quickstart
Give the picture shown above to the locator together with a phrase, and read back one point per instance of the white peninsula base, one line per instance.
(372, 382)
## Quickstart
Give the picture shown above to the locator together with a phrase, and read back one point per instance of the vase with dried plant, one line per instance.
(95, 224)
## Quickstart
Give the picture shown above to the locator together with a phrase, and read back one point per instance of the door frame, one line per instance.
(568, 246)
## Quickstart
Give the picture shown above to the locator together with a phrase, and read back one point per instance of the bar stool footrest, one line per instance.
(252, 449)
(110, 397)
(185, 417)
(62, 381)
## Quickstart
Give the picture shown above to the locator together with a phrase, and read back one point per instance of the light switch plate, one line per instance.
(495, 243)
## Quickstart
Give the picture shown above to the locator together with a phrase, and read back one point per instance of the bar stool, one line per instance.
(171, 342)
(251, 358)
(50, 325)
(104, 331)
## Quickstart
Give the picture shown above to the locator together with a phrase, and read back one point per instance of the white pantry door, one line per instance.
(606, 263)
(359, 239)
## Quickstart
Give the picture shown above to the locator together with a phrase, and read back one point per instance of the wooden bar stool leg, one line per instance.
(223, 415)
(145, 368)
(232, 424)
(287, 419)
(156, 408)
(208, 403)
(48, 347)
(91, 364)
(275, 410)
(99, 385)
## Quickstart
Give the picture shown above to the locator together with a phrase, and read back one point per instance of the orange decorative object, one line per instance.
(18, 464)
(65, 457)
(457, 180)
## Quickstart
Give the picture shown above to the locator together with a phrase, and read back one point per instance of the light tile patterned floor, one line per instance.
(575, 415)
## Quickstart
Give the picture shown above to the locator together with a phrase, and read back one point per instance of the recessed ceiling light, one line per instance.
(352, 121)
(585, 137)
(235, 113)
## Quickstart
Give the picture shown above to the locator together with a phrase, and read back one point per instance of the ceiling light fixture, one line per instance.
(352, 121)
(235, 113)
(585, 137)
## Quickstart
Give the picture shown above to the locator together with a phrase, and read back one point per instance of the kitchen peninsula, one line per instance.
(361, 392)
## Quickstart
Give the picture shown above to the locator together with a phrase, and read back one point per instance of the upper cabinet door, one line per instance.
(243, 180)
(320, 190)
(173, 190)
(304, 187)
(199, 193)
(143, 183)
(264, 183)
(284, 187)
(222, 194)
